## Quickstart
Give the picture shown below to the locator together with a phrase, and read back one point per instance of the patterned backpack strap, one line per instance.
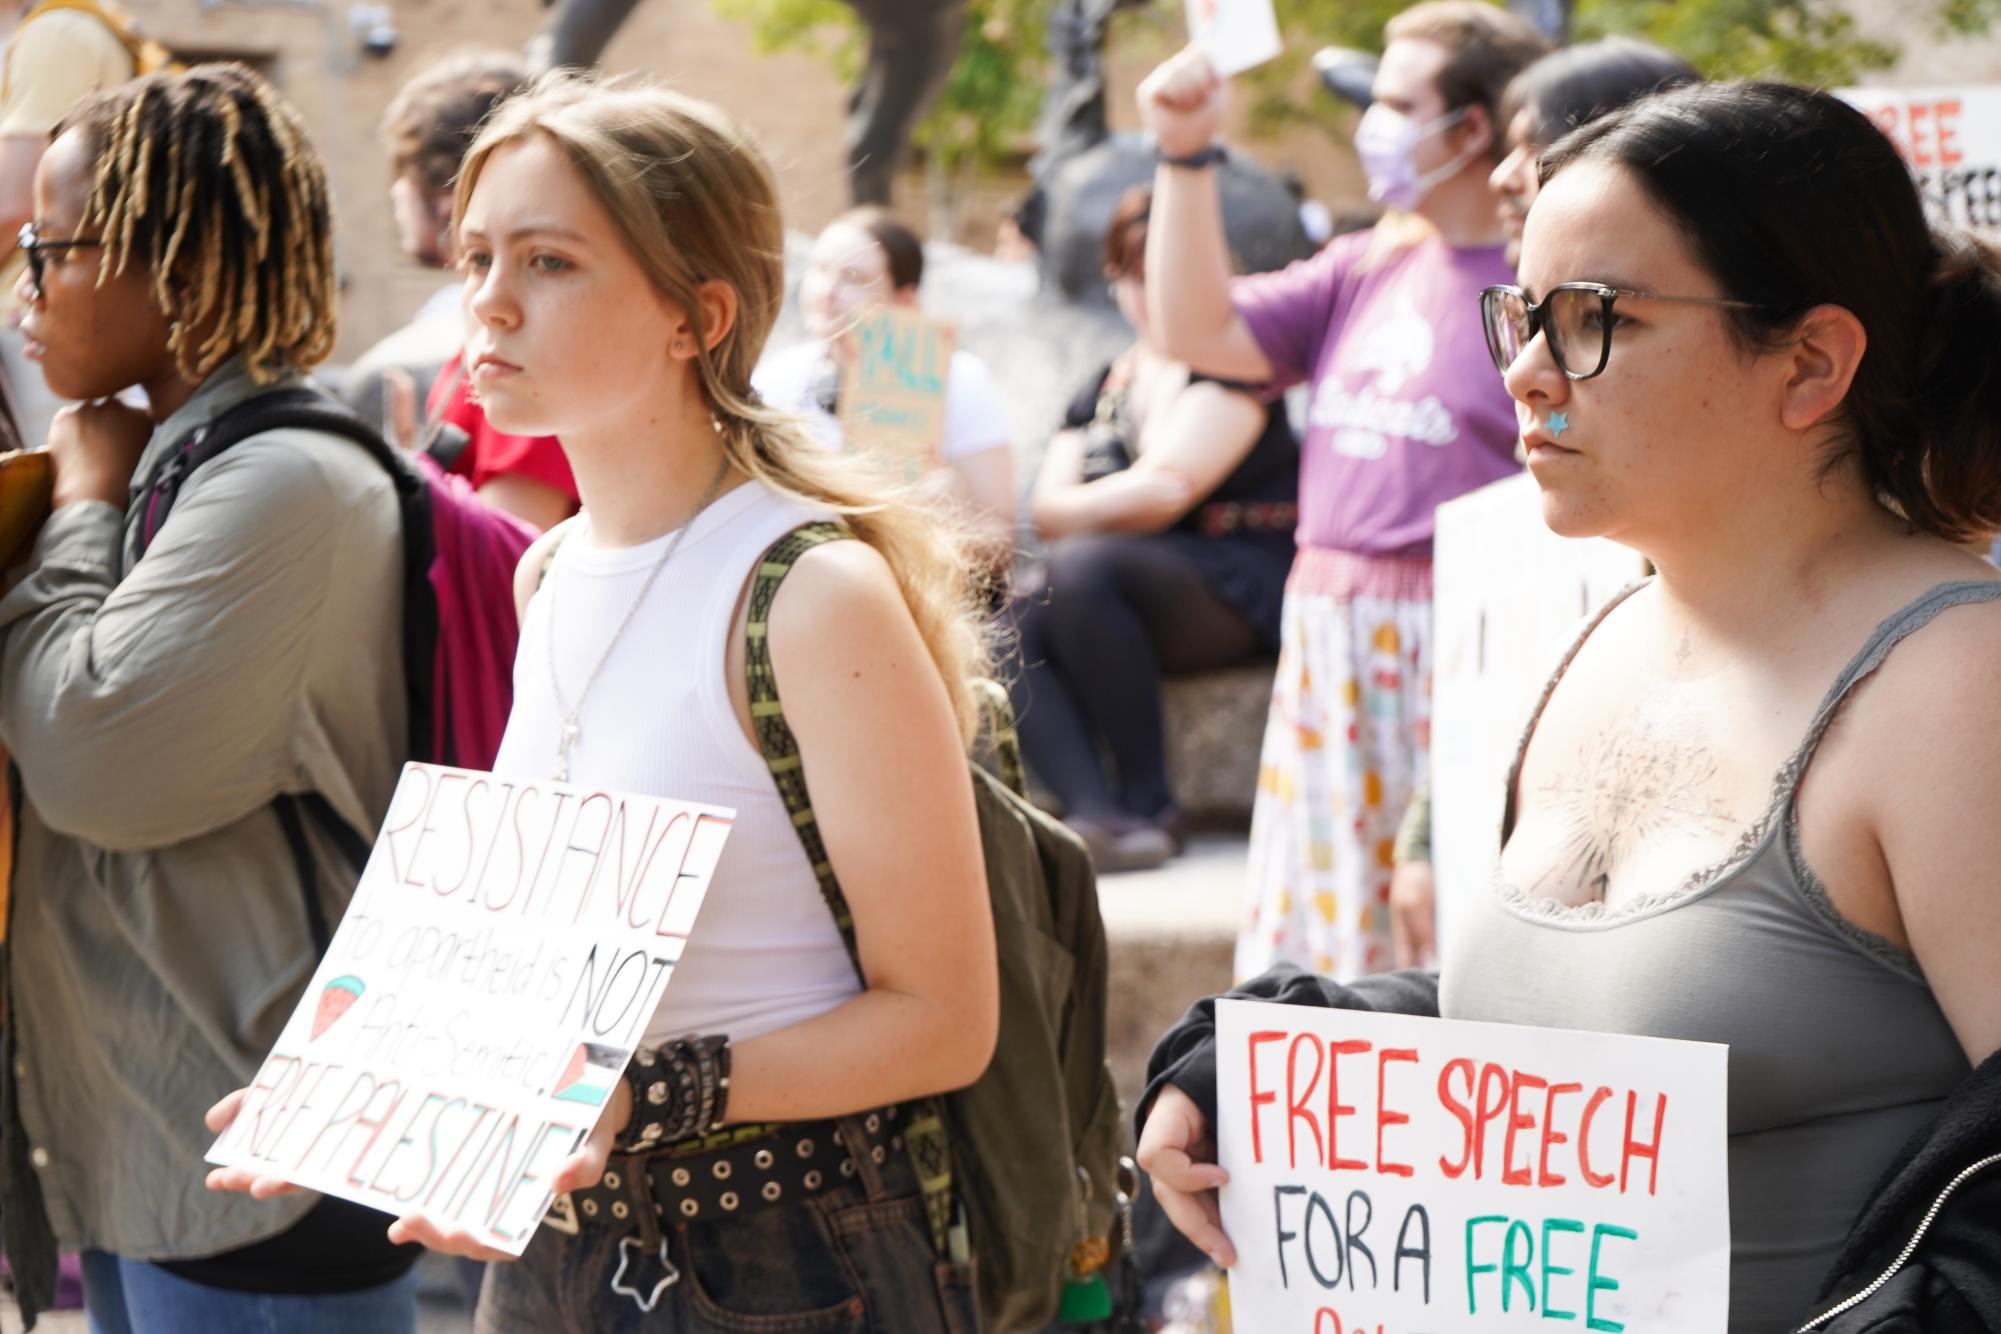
(999, 711)
(924, 1128)
(767, 716)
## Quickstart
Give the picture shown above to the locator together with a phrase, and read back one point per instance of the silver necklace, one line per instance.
(571, 730)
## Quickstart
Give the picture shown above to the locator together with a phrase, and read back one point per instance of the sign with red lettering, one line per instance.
(503, 953)
(1400, 1175)
(1952, 139)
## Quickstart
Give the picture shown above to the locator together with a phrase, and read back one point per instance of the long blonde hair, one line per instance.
(695, 201)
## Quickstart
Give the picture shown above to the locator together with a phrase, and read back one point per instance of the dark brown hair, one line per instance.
(1125, 235)
(431, 122)
(1485, 45)
(900, 245)
(1577, 84)
(1793, 199)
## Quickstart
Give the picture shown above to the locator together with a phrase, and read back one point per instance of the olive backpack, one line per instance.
(1020, 1170)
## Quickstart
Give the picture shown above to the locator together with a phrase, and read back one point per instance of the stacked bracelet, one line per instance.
(679, 1091)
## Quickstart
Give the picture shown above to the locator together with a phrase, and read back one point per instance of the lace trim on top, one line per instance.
(1781, 813)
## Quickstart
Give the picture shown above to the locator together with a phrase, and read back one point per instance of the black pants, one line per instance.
(1100, 622)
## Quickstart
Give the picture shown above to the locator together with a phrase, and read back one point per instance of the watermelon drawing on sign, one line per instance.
(590, 1074)
(336, 1000)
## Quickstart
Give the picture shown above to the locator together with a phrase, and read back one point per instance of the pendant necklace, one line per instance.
(571, 729)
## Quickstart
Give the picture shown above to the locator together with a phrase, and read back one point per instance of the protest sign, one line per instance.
(505, 948)
(893, 391)
(1952, 139)
(1234, 34)
(1428, 1176)
(1508, 597)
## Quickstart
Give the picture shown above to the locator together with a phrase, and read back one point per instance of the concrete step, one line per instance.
(1170, 934)
(1215, 726)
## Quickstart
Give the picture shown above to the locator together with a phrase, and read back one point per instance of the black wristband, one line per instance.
(679, 1091)
(1213, 155)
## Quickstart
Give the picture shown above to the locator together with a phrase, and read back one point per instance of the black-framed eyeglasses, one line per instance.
(37, 251)
(1575, 320)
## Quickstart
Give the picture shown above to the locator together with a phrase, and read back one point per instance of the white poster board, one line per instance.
(1433, 1176)
(1952, 139)
(1508, 598)
(1234, 34)
(503, 952)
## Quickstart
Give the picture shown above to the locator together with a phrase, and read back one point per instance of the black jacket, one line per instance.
(1950, 1173)
(1950, 1283)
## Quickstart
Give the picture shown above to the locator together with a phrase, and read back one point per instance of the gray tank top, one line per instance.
(1838, 1053)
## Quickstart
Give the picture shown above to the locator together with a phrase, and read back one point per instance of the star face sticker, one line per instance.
(1559, 422)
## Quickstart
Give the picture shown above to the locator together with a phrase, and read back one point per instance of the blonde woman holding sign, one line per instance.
(1755, 804)
(619, 247)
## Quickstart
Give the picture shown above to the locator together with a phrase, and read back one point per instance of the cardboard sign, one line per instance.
(504, 951)
(893, 391)
(1952, 139)
(1430, 1176)
(1234, 34)
(1508, 598)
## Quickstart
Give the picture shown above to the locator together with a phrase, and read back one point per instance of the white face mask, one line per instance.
(1386, 141)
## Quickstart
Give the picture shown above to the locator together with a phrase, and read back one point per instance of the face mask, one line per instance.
(1386, 139)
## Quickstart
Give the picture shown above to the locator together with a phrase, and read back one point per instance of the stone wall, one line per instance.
(312, 53)
(792, 101)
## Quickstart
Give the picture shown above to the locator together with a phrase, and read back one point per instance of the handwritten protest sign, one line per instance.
(893, 391)
(1508, 597)
(1234, 34)
(1424, 1176)
(505, 948)
(1952, 139)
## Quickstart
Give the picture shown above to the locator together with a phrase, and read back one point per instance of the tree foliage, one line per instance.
(989, 104)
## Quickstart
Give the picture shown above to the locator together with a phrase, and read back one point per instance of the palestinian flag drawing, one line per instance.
(336, 1000)
(590, 1074)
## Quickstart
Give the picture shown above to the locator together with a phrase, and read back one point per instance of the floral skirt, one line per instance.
(1345, 746)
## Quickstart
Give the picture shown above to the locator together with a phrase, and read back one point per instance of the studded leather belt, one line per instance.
(734, 1171)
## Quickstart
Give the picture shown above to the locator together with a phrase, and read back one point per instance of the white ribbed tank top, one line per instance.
(764, 953)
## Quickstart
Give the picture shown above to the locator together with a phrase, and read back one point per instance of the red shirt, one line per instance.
(492, 453)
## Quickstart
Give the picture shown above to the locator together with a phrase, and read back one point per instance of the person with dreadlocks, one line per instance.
(167, 689)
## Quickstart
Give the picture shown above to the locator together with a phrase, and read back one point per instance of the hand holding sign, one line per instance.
(1181, 103)
(456, 1059)
(582, 1169)
(1178, 1151)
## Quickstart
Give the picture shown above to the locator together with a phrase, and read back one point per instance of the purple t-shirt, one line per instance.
(1407, 410)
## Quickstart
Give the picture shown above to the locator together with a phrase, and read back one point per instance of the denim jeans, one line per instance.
(856, 1259)
(123, 1296)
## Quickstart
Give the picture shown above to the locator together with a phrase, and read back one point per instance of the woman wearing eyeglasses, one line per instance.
(1755, 806)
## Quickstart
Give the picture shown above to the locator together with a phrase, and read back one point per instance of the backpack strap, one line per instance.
(924, 1129)
(767, 717)
(309, 409)
(1000, 728)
